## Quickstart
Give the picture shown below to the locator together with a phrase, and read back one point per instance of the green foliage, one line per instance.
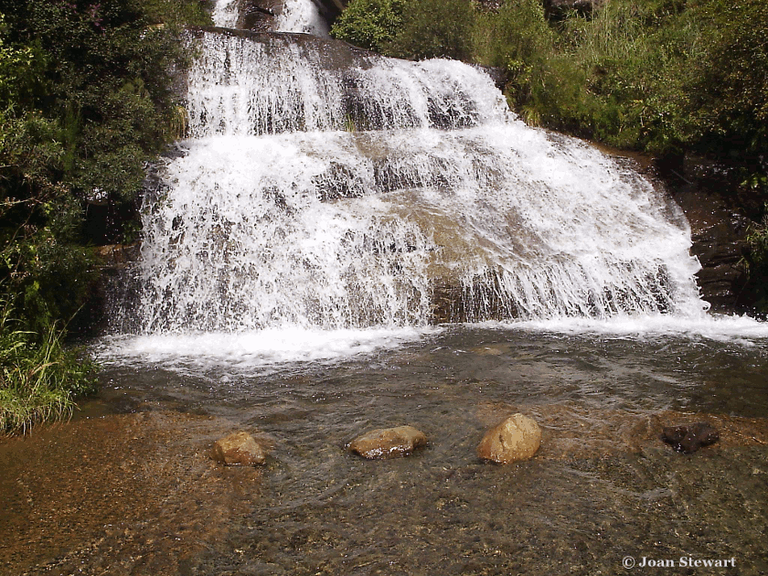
(40, 379)
(518, 38)
(370, 24)
(659, 76)
(756, 262)
(178, 13)
(414, 29)
(20, 69)
(86, 99)
(728, 86)
(435, 29)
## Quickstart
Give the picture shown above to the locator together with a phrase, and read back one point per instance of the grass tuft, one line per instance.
(39, 377)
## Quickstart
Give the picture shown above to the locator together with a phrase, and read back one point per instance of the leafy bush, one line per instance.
(414, 29)
(370, 24)
(86, 98)
(727, 88)
(435, 29)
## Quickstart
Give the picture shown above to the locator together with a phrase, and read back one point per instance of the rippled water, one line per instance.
(603, 486)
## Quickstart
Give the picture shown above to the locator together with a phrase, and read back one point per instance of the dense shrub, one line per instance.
(435, 29)
(413, 29)
(727, 92)
(370, 24)
(86, 99)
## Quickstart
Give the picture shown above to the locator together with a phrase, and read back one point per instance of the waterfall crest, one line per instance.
(325, 187)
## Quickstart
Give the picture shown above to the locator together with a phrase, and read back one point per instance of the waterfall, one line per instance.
(326, 187)
(301, 16)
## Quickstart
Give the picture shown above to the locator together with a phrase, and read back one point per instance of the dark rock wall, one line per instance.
(330, 9)
(718, 228)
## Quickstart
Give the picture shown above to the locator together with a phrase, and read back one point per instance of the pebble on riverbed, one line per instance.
(516, 438)
(388, 442)
(689, 438)
(239, 448)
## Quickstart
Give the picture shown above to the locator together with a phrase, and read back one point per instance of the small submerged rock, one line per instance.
(388, 442)
(239, 448)
(689, 438)
(516, 438)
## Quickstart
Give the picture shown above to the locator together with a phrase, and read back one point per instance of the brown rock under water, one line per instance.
(118, 494)
(689, 438)
(516, 438)
(239, 448)
(388, 442)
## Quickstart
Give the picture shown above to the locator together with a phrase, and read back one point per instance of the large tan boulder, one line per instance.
(388, 442)
(516, 438)
(239, 448)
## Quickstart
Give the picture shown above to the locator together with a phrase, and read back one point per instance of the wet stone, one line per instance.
(239, 448)
(689, 438)
(516, 438)
(388, 442)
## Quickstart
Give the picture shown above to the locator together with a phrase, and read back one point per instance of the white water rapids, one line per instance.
(323, 189)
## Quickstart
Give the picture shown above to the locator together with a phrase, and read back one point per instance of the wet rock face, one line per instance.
(240, 449)
(388, 442)
(718, 242)
(259, 15)
(330, 9)
(688, 439)
(516, 438)
(718, 228)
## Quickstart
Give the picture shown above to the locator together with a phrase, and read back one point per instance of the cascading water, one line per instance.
(301, 16)
(324, 187)
(328, 206)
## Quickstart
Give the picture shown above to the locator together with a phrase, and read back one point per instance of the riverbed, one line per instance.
(129, 487)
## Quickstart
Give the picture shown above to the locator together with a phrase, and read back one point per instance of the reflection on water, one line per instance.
(602, 487)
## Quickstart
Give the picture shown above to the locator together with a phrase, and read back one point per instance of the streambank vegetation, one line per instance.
(86, 98)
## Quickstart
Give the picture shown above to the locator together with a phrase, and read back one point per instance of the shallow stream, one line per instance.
(602, 487)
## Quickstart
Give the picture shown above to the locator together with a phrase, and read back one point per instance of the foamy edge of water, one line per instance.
(272, 346)
(723, 328)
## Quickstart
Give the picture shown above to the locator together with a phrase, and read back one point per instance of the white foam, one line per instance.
(225, 13)
(276, 216)
(742, 330)
(254, 349)
(242, 87)
(301, 16)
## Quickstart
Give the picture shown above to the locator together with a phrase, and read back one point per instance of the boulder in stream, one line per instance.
(388, 442)
(239, 448)
(516, 438)
(689, 438)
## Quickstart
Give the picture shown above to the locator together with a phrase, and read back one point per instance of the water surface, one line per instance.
(603, 486)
